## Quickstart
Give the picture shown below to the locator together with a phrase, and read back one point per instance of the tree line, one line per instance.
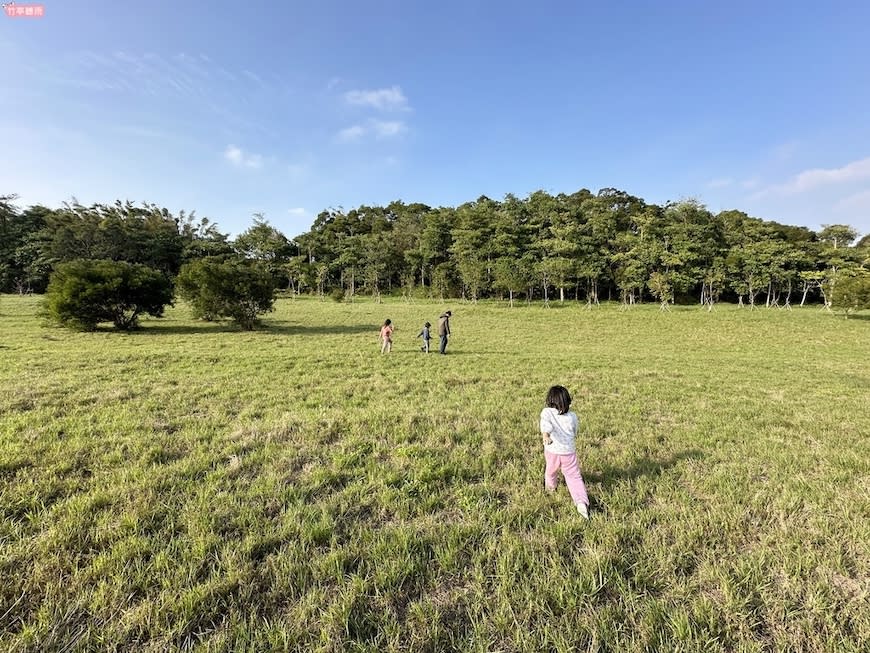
(584, 246)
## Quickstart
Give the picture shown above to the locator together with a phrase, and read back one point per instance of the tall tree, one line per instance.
(513, 267)
(435, 242)
(201, 238)
(471, 246)
(561, 246)
(263, 242)
(837, 235)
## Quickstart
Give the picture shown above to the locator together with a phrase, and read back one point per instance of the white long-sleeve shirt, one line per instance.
(562, 430)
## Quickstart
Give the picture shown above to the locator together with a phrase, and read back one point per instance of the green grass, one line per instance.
(196, 487)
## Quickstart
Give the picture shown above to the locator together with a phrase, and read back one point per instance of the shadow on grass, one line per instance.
(609, 475)
(269, 328)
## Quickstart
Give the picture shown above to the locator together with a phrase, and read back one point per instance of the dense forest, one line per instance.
(584, 246)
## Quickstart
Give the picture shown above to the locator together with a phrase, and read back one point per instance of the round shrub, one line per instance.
(83, 293)
(216, 289)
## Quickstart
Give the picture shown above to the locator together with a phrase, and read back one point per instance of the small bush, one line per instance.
(83, 293)
(851, 290)
(217, 289)
(337, 294)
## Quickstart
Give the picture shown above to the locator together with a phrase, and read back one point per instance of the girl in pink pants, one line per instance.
(559, 430)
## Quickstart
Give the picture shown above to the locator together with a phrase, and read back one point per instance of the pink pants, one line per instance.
(570, 470)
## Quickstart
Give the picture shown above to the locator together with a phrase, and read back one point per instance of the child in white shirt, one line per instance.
(559, 430)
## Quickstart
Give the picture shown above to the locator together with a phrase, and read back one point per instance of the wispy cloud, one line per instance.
(385, 129)
(196, 65)
(383, 99)
(298, 212)
(144, 132)
(855, 202)
(242, 159)
(816, 178)
(254, 77)
(226, 74)
(189, 77)
(351, 134)
(809, 179)
(377, 128)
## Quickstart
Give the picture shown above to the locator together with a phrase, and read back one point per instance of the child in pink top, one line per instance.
(559, 431)
(387, 337)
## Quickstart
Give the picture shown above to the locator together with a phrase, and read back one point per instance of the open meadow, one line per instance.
(191, 486)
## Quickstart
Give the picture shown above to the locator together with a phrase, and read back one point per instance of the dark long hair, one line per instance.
(387, 322)
(559, 398)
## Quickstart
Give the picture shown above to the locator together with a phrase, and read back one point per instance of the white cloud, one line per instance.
(376, 128)
(297, 212)
(385, 129)
(384, 99)
(351, 134)
(241, 159)
(817, 178)
(809, 179)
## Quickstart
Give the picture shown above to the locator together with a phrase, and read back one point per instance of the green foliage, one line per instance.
(83, 293)
(583, 245)
(263, 242)
(23, 269)
(838, 235)
(442, 280)
(511, 275)
(234, 289)
(660, 287)
(850, 290)
(121, 231)
(336, 294)
(201, 238)
(34, 241)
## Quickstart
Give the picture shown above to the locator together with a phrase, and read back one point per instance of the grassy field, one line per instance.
(195, 487)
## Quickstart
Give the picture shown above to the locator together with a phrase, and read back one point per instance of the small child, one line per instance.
(559, 430)
(387, 337)
(425, 335)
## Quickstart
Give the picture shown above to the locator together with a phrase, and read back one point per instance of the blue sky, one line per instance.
(287, 108)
